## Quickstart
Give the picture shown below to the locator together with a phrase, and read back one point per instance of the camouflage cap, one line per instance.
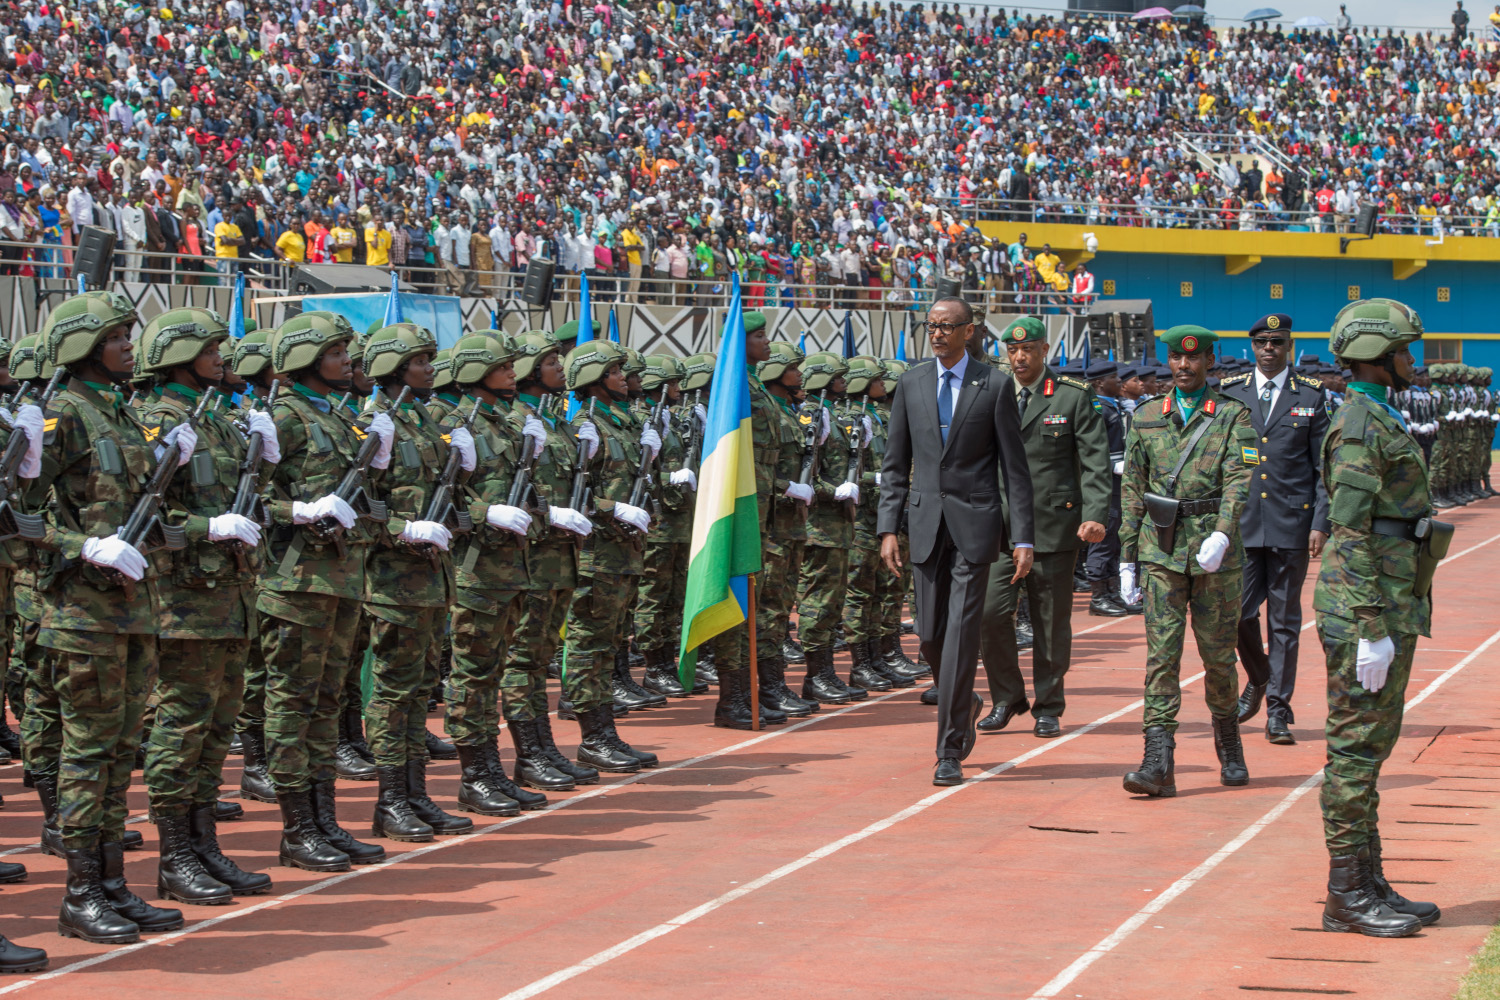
(4, 351)
(893, 372)
(1370, 329)
(784, 355)
(635, 361)
(589, 361)
(301, 340)
(820, 369)
(442, 370)
(252, 353)
(531, 347)
(28, 363)
(478, 354)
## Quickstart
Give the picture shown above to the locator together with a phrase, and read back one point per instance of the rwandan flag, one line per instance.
(726, 522)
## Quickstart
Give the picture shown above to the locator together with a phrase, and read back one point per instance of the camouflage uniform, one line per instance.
(784, 536)
(862, 607)
(830, 539)
(663, 582)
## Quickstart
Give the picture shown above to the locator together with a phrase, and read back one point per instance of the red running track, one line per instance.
(818, 860)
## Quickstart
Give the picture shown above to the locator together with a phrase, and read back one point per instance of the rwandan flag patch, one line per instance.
(1250, 456)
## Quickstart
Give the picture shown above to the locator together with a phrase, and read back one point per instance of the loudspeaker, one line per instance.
(536, 291)
(948, 288)
(328, 279)
(1364, 222)
(95, 256)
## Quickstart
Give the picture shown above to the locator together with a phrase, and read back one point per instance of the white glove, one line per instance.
(384, 428)
(1495, 417)
(332, 505)
(233, 528)
(426, 533)
(636, 517)
(847, 491)
(1373, 662)
(30, 420)
(1119, 468)
(1468, 411)
(664, 418)
(461, 439)
(1211, 553)
(588, 432)
(877, 478)
(825, 426)
(113, 553)
(536, 431)
(260, 422)
(650, 442)
(701, 412)
(1128, 589)
(185, 438)
(687, 476)
(799, 491)
(1450, 416)
(1406, 415)
(569, 519)
(508, 518)
(869, 427)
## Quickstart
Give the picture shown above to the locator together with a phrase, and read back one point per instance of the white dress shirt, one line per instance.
(1277, 383)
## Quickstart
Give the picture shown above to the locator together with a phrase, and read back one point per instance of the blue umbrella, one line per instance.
(1262, 14)
(1188, 9)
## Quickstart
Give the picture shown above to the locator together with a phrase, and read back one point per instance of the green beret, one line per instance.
(754, 321)
(1189, 339)
(1025, 330)
(250, 325)
(569, 330)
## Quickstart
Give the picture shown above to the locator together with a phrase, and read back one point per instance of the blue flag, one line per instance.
(237, 308)
(614, 326)
(494, 320)
(1086, 357)
(1062, 352)
(849, 349)
(392, 303)
(585, 326)
(901, 346)
(802, 343)
(83, 284)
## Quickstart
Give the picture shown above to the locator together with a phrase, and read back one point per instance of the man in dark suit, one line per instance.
(1285, 521)
(955, 443)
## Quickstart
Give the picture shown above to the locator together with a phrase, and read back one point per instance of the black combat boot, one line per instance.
(775, 695)
(15, 958)
(1428, 913)
(862, 671)
(882, 667)
(645, 757)
(1104, 604)
(792, 650)
(11, 872)
(490, 751)
(347, 761)
(596, 750)
(533, 768)
(1354, 905)
(661, 674)
(225, 810)
(475, 793)
(255, 784)
(1232, 769)
(822, 684)
(86, 911)
(354, 728)
(733, 708)
(1157, 775)
(1440, 499)
(394, 818)
(427, 810)
(580, 775)
(10, 742)
(180, 875)
(46, 792)
(708, 670)
(132, 840)
(325, 812)
(896, 659)
(203, 838)
(302, 843)
(627, 691)
(440, 749)
(840, 639)
(149, 919)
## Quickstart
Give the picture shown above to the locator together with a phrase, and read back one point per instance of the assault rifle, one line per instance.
(520, 483)
(12, 521)
(643, 473)
(811, 419)
(441, 507)
(247, 499)
(581, 495)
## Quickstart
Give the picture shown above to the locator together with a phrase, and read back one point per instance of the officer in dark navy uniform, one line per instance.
(1285, 521)
(1103, 558)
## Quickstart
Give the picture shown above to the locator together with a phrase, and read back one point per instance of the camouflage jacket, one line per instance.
(674, 511)
(319, 441)
(765, 435)
(869, 491)
(552, 559)
(787, 523)
(828, 522)
(1220, 466)
(488, 558)
(207, 592)
(613, 547)
(398, 574)
(1372, 468)
(19, 560)
(103, 460)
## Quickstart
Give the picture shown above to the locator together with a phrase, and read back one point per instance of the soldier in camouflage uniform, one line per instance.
(206, 618)
(552, 564)
(611, 560)
(893, 589)
(1372, 602)
(97, 599)
(310, 591)
(697, 385)
(1198, 573)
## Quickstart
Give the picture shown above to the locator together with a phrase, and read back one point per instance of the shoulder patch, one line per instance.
(1311, 383)
(1250, 456)
(1351, 423)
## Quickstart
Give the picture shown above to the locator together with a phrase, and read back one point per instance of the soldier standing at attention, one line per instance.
(1103, 560)
(893, 587)
(1188, 462)
(207, 615)
(1372, 600)
(1285, 522)
(634, 413)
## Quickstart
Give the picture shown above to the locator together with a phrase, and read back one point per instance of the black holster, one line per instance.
(1162, 512)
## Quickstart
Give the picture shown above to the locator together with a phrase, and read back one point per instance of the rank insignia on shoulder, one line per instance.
(1208, 407)
(1054, 418)
(1250, 456)
(1070, 380)
(1049, 387)
(1231, 380)
(1311, 383)
(1304, 411)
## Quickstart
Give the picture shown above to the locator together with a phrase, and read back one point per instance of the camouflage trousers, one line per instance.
(198, 689)
(820, 605)
(402, 674)
(305, 665)
(1213, 601)
(253, 698)
(862, 602)
(1362, 729)
(41, 723)
(895, 589)
(523, 686)
(596, 628)
(102, 682)
(663, 586)
(484, 625)
(775, 595)
(352, 687)
(14, 677)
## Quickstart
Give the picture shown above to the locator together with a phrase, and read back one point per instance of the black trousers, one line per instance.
(1273, 577)
(1049, 590)
(1104, 557)
(950, 610)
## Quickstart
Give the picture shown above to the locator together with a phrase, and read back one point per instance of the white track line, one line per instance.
(1119, 934)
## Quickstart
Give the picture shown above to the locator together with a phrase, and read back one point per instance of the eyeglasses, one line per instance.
(1269, 342)
(944, 328)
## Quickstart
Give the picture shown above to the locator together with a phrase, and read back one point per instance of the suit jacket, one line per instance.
(958, 483)
(1067, 454)
(1287, 496)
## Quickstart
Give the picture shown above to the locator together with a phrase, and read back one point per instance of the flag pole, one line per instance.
(754, 663)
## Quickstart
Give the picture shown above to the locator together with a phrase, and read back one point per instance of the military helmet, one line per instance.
(893, 372)
(587, 363)
(863, 370)
(820, 369)
(783, 356)
(635, 361)
(478, 354)
(4, 350)
(28, 363)
(661, 369)
(442, 372)
(74, 329)
(252, 353)
(1370, 329)
(697, 372)
(391, 345)
(177, 337)
(301, 340)
(531, 347)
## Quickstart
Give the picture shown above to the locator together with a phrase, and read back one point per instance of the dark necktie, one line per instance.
(1265, 400)
(1025, 398)
(945, 405)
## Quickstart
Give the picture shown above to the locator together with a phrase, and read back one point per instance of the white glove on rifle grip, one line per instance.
(29, 419)
(185, 438)
(588, 432)
(384, 428)
(636, 517)
(508, 518)
(536, 431)
(825, 426)
(260, 422)
(685, 476)
(569, 519)
(799, 491)
(233, 528)
(869, 427)
(426, 533)
(331, 505)
(1372, 663)
(116, 554)
(461, 439)
(847, 491)
(650, 442)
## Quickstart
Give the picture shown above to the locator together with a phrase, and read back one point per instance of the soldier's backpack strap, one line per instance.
(1187, 452)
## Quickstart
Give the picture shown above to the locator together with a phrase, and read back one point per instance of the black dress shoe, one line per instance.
(1046, 727)
(970, 733)
(1000, 717)
(948, 772)
(929, 697)
(1277, 731)
(1250, 700)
